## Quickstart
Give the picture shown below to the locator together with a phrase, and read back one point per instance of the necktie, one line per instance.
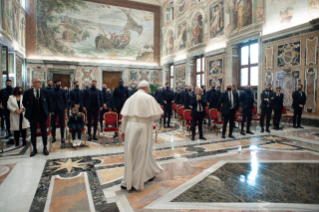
(37, 94)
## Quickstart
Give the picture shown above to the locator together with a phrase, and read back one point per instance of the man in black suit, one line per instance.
(67, 92)
(106, 99)
(230, 102)
(168, 100)
(178, 97)
(278, 105)
(59, 105)
(49, 85)
(204, 91)
(76, 97)
(212, 97)
(187, 98)
(219, 90)
(298, 103)
(37, 104)
(266, 98)
(4, 96)
(198, 103)
(246, 100)
(92, 104)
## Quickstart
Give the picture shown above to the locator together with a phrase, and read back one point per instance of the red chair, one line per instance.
(110, 118)
(175, 109)
(255, 116)
(214, 118)
(207, 116)
(83, 130)
(238, 121)
(286, 116)
(49, 134)
(181, 116)
(188, 119)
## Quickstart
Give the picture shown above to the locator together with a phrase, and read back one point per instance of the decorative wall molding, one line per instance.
(311, 51)
(311, 90)
(269, 58)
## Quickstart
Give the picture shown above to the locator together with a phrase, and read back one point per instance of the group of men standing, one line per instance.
(229, 102)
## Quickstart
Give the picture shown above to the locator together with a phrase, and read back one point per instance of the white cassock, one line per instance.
(138, 113)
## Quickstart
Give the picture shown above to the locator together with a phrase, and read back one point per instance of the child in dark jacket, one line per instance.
(76, 125)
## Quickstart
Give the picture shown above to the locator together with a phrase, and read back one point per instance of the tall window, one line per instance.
(170, 12)
(200, 71)
(248, 65)
(171, 76)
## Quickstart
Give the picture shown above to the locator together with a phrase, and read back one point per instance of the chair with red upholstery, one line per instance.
(286, 116)
(255, 116)
(39, 134)
(174, 109)
(214, 118)
(110, 118)
(188, 120)
(181, 116)
(238, 120)
(83, 130)
(207, 117)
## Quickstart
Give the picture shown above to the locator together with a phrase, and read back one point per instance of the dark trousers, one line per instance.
(76, 128)
(277, 117)
(93, 112)
(57, 112)
(102, 118)
(247, 114)
(17, 135)
(168, 113)
(34, 126)
(198, 119)
(297, 116)
(2, 118)
(231, 118)
(267, 110)
(7, 118)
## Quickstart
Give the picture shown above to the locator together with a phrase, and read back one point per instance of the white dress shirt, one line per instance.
(35, 92)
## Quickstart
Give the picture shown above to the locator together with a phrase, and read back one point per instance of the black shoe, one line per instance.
(62, 140)
(295, 127)
(95, 138)
(262, 130)
(63, 146)
(267, 130)
(53, 140)
(123, 187)
(17, 144)
(223, 136)
(34, 152)
(275, 128)
(300, 127)
(45, 151)
(7, 136)
(151, 179)
(165, 127)
(90, 139)
(250, 132)
(114, 136)
(202, 138)
(242, 132)
(24, 143)
(169, 126)
(231, 136)
(193, 139)
(279, 128)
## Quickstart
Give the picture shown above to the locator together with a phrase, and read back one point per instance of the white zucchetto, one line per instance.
(143, 84)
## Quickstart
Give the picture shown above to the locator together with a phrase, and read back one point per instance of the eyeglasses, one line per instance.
(37, 82)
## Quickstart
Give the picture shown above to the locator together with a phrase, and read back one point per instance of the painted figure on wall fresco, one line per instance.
(215, 67)
(86, 29)
(198, 29)
(216, 19)
(182, 36)
(6, 17)
(314, 8)
(170, 42)
(22, 30)
(15, 21)
(286, 15)
(242, 13)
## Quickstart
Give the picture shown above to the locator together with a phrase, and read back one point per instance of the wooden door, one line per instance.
(65, 79)
(111, 79)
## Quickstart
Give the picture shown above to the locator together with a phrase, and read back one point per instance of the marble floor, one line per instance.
(260, 172)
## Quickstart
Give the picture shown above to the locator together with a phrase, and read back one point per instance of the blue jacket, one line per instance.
(167, 96)
(76, 97)
(247, 99)
(107, 98)
(120, 95)
(58, 99)
(27, 102)
(87, 98)
(212, 98)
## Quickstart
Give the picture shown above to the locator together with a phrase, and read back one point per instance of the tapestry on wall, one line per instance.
(269, 58)
(289, 54)
(269, 78)
(311, 90)
(182, 36)
(216, 19)
(217, 81)
(156, 77)
(311, 51)
(197, 29)
(85, 29)
(145, 75)
(180, 73)
(215, 67)
(288, 82)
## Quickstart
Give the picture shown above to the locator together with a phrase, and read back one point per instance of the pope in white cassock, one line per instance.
(138, 113)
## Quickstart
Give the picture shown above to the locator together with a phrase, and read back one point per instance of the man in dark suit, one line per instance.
(37, 104)
(219, 90)
(187, 98)
(106, 104)
(278, 105)
(204, 91)
(246, 100)
(230, 103)
(212, 97)
(67, 92)
(198, 103)
(76, 97)
(49, 85)
(298, 103)
(178, 97)
(266, 98)
(5, 93)
(59, 105)
(168, 100)
(93, 103)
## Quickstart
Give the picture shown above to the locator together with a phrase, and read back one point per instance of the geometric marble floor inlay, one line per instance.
(258, 182)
